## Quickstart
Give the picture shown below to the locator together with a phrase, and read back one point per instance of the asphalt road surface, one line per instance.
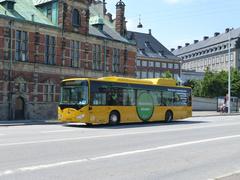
(191, 149)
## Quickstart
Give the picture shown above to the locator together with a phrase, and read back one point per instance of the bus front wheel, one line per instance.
(114, 118)
(168, 116)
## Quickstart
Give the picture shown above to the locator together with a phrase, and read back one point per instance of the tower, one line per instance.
(120, 23)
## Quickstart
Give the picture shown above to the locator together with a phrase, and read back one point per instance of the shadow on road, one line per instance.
(134, 125)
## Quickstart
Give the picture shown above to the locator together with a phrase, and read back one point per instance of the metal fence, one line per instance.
(235, 104)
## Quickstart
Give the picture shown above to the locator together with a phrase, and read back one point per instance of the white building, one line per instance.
(211, 52)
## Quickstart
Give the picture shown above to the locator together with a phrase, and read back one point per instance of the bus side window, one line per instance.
(126, 98)
(99, 99)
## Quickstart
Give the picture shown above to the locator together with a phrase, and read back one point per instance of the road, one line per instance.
(195, 148)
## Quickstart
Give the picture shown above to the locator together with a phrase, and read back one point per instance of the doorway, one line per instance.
(19, 108)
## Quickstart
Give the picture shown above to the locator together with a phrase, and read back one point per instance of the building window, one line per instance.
(144, 74)
(231, 56)
(170, 65)
(50, 50)
(139, 63)
(116, 60)
(150, 74)
(97, 57)
(7, 44)
(176, 66)
(76, 18)
(157, 64)
(138, 73)
(49, 91)
(151, 64)
(75, 53)
(144, 63)
(21, 46)
(164, 65)
(49, 12)
(157, 74)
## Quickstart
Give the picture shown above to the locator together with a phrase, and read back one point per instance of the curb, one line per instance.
(28, 122)
(215, 115)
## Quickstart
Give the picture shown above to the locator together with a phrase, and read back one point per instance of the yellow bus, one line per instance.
(114, 100)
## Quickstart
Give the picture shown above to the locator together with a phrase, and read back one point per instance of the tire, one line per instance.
(114, 118)
(168, 117)
(89, 124)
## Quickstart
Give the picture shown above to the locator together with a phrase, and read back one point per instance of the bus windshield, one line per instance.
(74, 93)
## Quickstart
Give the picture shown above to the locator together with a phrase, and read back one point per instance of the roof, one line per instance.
(153, 81)
(23, 10)
(39, 2)
(149, 47)
(209, 42)
(108, 32)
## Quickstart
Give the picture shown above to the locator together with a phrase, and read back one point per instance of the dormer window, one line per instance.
(75, 18)
(49, 12)
(8, 4)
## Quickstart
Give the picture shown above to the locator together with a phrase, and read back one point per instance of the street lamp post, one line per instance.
(229, 74)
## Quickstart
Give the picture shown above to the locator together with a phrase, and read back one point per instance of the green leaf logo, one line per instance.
(145, 106)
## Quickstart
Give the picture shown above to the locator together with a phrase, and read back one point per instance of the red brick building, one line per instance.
(54, 40)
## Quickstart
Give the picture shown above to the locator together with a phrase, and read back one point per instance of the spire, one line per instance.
(120, 4)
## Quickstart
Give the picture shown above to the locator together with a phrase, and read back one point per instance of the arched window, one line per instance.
(75, 18)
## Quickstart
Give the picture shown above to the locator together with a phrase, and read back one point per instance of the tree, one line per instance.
(216, 84)
(167, 74)
(235, 87)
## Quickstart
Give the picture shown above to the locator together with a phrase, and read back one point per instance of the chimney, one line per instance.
(104, 7)
(187, 44)
(172, 49)
(179, 47)
(216, 34)
(8, 4)
(227, 30)
(33, 17)
(120, 24)
(150, 32)
(196, 41)
(205, 38)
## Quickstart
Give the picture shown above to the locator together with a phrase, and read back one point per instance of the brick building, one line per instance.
(45, 41)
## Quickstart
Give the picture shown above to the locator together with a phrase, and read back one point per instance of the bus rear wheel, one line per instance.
(168, 116)
(114, 118)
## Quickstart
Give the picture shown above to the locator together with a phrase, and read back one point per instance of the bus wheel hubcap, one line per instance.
(114, 118)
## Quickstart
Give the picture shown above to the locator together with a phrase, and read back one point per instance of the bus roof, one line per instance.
(151, 81)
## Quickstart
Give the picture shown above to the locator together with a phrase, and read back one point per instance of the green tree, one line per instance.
(235, 86)
(216, 84)
(167, 74)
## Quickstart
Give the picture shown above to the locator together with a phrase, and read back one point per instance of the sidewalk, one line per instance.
(211, 113)
(28, 122)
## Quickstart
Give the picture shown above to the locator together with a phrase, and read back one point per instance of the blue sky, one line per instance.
(176, 22)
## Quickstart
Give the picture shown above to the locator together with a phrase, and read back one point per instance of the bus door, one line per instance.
(98, 108)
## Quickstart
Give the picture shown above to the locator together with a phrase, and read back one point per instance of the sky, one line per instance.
(176, 22)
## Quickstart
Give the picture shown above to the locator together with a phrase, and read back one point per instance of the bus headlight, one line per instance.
(81, 116)
(59, 116)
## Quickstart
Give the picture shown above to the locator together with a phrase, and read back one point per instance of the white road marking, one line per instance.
(115, 155)
(2, 134)
(111, 135)
(232, 175)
